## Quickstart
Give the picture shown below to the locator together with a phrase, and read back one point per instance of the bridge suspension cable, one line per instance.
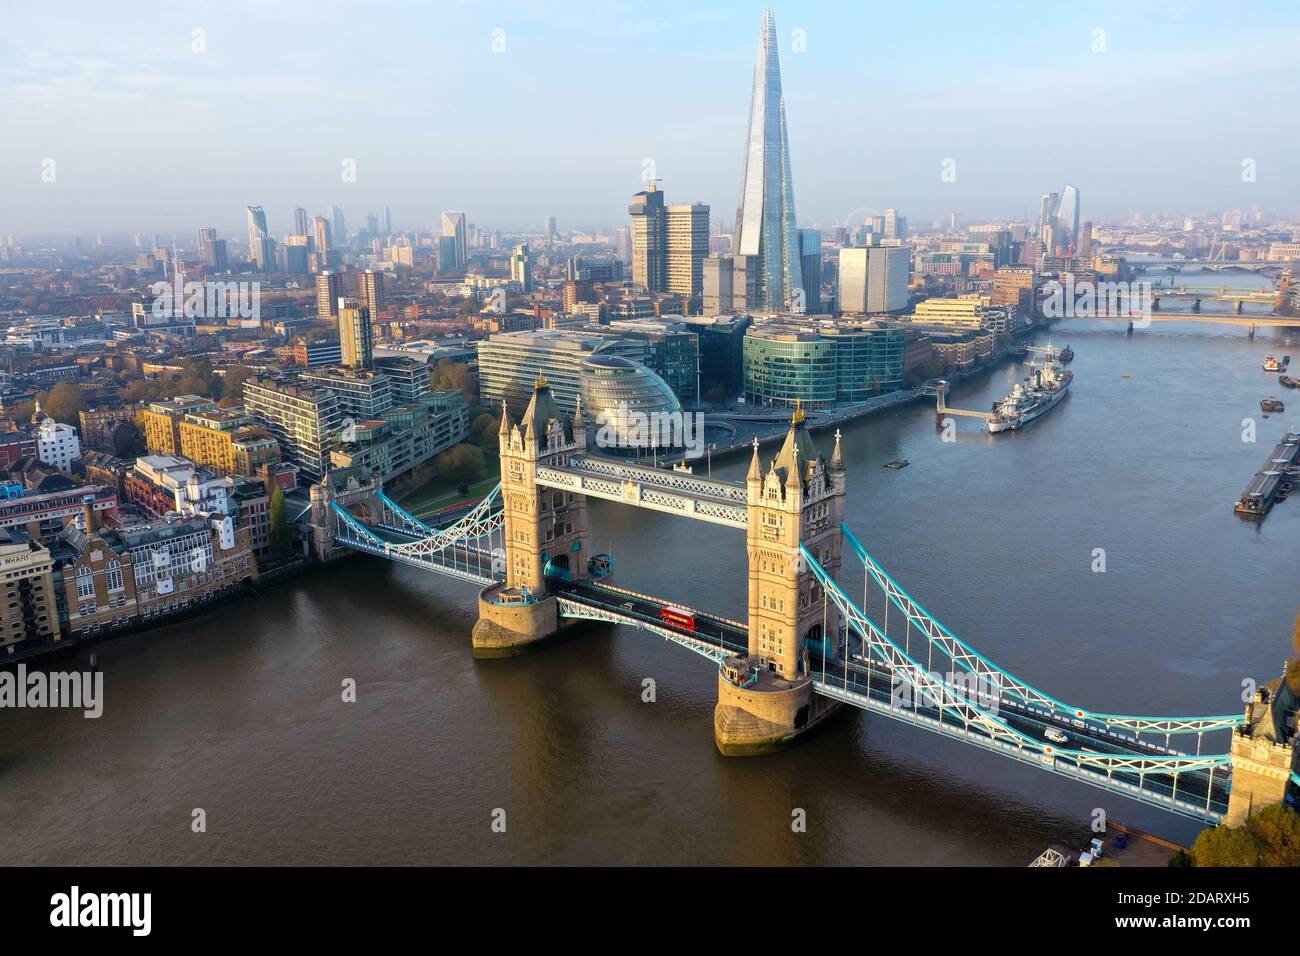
(967, 658)
(958, 704)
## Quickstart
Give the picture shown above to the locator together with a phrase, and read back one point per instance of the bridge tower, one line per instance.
(545, 529)
(765, 699)
(1264, 750)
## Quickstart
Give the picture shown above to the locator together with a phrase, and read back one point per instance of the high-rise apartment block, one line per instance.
(356, 334)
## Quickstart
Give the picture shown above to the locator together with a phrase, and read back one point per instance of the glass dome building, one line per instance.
(629, 409)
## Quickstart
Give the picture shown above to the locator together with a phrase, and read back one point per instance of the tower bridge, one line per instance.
(807, 646)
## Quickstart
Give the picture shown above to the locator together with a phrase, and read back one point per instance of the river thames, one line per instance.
(240, 713)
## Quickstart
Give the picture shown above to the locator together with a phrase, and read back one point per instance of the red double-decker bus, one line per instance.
(679, 617)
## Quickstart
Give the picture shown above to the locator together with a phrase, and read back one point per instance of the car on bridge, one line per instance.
(1056, 736)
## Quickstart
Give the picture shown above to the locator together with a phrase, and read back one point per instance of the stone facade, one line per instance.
(1264, 752)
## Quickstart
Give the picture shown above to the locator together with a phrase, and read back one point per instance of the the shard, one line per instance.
(765, 221)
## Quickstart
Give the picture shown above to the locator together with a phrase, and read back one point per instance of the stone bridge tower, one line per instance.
(545, 528)
(354, 489)
(766, 699)
(1264, 750)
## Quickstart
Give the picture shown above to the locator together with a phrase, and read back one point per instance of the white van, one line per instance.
(1056, 736)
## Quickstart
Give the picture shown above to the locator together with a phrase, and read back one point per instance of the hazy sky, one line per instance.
(148, 134)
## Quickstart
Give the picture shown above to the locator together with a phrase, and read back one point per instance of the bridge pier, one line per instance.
(1250, 333)
(1130, 327)
(511, 623)
(767, 715)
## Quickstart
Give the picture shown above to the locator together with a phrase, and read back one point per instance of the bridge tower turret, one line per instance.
(545, 529)
(798, 500)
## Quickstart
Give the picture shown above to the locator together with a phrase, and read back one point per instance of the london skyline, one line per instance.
(1158, 111)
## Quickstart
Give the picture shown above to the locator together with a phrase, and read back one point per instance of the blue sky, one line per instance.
(147, 134)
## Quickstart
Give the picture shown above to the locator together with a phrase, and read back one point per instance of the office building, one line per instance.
(521, 268)
(509, 363)
(895, 225)
(687, 248)
(57, 444)
(730, 284)
(821, 364)
(318, 353)
(668, 347)
(339, 227)
(261, 247)
(722, 348)
(810, 265)
(620, 398)
(649, 239)
(1066, 234)
(963, 311)
(765, 218)
(212, 251)
(296, 255)
(872, 279)
(453, 228)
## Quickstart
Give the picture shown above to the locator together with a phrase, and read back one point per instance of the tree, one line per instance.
(1270, 837)
(449, 374)
(197, 378)
(1226, 846)
(462, 464)
(232, 386)
(128, 440)
(484, 429)
(281, 538)
(63, 402)
(1277, 830)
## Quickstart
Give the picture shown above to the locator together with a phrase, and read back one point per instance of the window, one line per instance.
(114, 576)
(85, 583)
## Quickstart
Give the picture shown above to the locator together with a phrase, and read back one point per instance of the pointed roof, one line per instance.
(504, 428)
(799, 453)
(541, 408)
(1269, 719)
(755, 467)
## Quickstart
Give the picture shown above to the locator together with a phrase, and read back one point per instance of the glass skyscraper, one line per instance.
(765, 220)
(1067, 219)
